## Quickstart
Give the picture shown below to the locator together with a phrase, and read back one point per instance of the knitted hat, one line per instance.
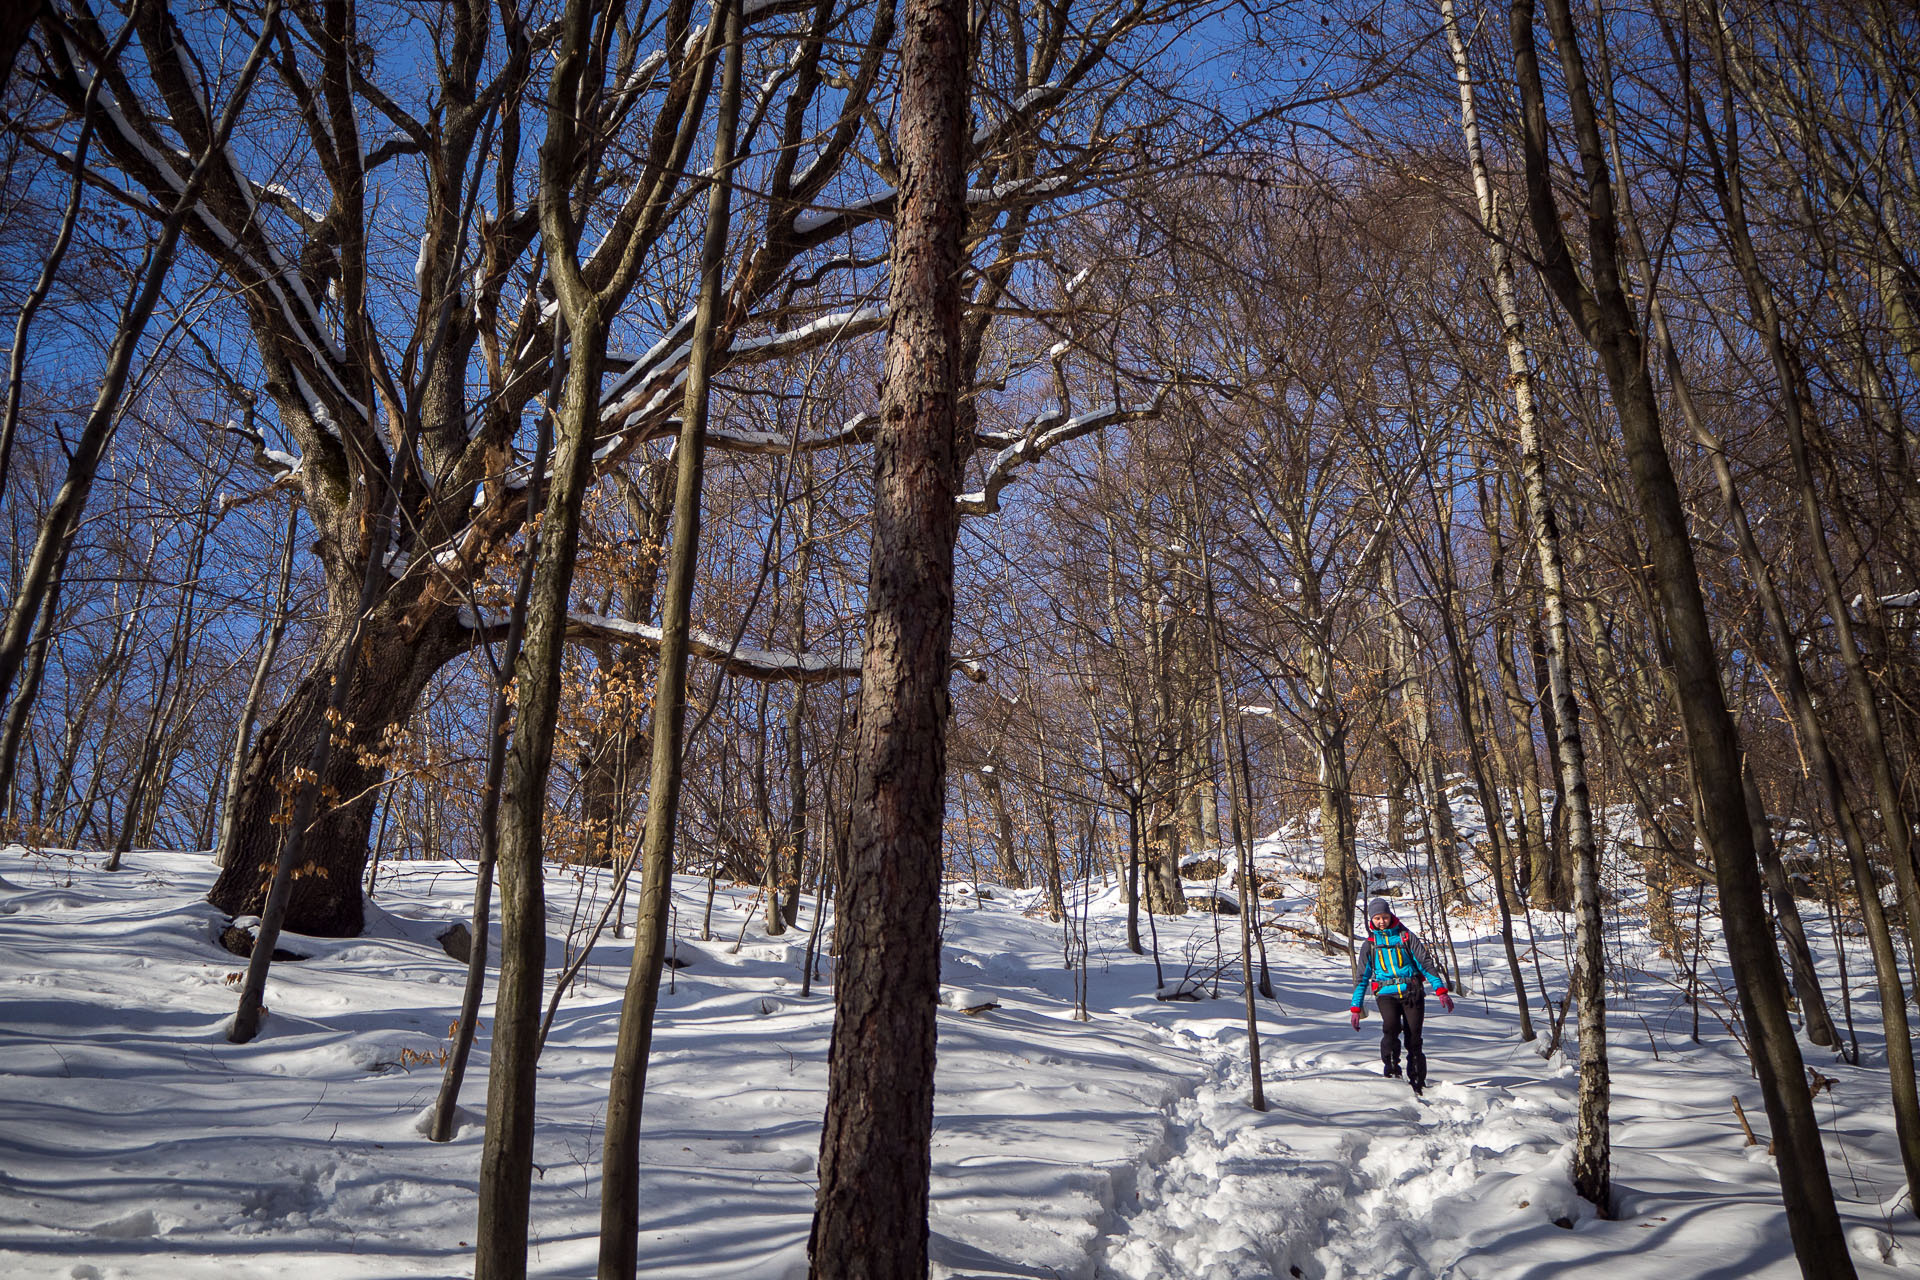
(1378, 907)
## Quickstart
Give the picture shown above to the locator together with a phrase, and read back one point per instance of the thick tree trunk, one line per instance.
(1166, 896)
(876, 1144)
(1003, 841)
(1340, 865)
(392, 672)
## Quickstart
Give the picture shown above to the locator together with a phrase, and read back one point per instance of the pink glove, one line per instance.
(1354, 1015)
(1446, 1001)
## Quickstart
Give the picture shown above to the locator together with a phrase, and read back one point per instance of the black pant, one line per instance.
(1404, 1014)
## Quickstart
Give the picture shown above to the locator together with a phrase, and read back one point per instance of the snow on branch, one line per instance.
(646, 386)
(1046, 432)
(855, 430)
(767, 665)
(773, 665)
(276, 463)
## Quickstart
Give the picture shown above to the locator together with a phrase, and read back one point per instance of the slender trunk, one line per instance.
(446, 1103)
(626, 1090)
(1543, 875)
(142, 792)
(25, 15)
(1604, 316)
(20, 713)
(82, 716)
(1133, 876)
(797, 719)
(1764, 317)
(62, 520)
(1560, 846)
(1592, 1159)
(1806, 977)
(276, 630)
(876, 1144)
(1424, 769)
(1242, 831)
(1466, 678)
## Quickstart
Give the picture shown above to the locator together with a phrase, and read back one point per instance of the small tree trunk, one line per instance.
(446, 1104)
(1806, 978)
(20, 712)
(626, 1090)
(1466, 679)
(256, 690)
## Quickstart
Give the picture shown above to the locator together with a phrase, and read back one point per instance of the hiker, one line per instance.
(1394, 965)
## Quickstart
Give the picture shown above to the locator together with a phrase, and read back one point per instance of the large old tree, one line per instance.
(374, 236)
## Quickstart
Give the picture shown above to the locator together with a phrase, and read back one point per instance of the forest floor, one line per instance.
(136, 1143)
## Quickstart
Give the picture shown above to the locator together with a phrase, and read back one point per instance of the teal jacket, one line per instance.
(1392, 962)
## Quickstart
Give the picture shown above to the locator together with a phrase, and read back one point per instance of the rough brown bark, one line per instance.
(876, 1144)
(392, 670)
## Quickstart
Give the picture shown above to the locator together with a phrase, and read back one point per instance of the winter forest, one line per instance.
(877, 639)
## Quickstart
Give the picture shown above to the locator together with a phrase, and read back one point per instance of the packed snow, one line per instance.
(137, 1144)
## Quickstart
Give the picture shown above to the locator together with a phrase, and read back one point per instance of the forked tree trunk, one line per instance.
(876, 1145)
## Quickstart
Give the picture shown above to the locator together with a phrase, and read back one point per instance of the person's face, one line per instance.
(1381, 921)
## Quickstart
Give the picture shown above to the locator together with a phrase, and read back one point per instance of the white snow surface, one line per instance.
(137, 1144)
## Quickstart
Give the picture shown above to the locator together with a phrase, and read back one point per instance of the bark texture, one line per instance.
(875, 1147)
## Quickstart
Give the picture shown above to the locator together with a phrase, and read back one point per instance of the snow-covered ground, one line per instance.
(136, 1142)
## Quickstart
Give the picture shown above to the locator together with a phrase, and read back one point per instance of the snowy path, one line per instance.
(1344, 1176)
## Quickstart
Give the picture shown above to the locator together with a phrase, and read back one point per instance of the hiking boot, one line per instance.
(1391, 1070)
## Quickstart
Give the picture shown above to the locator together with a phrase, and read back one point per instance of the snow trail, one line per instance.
(1366, 1189)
